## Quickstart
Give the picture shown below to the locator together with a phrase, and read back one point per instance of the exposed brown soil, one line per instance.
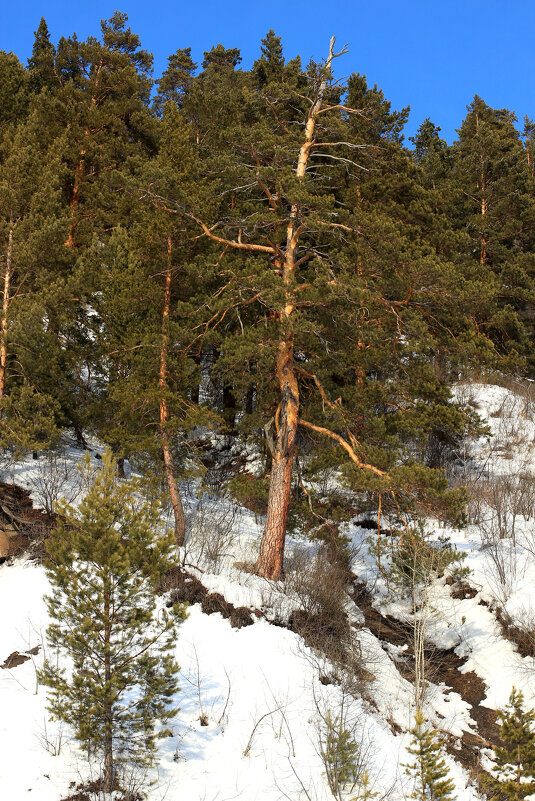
(444, 668)
(21, 524)
(15, 659)
(186, 588)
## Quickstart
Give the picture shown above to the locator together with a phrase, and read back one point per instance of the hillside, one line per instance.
(266, 429)
(254, 695)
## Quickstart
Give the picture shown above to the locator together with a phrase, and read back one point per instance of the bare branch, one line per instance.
(340, 158)
(342, 108)
(162, 203)
(315, 379)
(347, 447)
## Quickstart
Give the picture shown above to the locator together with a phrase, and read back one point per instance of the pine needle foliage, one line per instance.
(116, 680)
(428, 769)
(514, 769)
(417, 558)
(340, 754)
(344, 758)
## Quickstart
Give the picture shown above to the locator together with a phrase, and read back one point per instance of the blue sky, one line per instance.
(433, 55)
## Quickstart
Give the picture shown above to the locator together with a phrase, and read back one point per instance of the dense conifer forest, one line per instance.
(249, 277)
(268, 226)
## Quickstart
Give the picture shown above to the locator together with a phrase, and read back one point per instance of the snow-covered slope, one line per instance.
(260, 688)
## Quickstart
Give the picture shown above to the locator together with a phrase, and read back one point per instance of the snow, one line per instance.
(240, 676)
(258, 687)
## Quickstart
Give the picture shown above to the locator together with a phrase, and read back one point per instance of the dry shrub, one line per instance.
(502, 500)
(523, 388)
(172, 579)
(241, 617)
(214, 602)
(57, 478)
(521, 634)
(320, 587)
(213, 528)
(92, 791)
(184, 587)
(500, 506)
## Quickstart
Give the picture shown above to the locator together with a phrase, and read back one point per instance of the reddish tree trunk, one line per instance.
(5, 307)
(270, 559)
(483, 254)
(75, 197)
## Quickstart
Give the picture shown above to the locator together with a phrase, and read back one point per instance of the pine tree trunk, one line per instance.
(5, 307)
(109, 771)
(483, 254)
(270, 560)
(483, 244)
(271, 556)
(178, 509)
(75, 198)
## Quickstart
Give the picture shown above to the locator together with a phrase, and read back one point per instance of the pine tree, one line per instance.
(176, 81)
(299, 234)
(41, 62)
(68, 66)
(105, 561)
(340, 754)
(28, 421)
(92, 131)
(32, 229)
(431, 152)
(14, 94)
(514, 771)
(98, 122)
(429, 771)
(221, 58)
(271, 63)
(529, 143)
(343, 759)
(492, 194)
(146, 312)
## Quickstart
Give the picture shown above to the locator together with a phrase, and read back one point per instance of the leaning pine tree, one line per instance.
(105, 560)
(318, 290)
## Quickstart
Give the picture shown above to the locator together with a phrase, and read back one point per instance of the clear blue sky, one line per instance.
(433, 55)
